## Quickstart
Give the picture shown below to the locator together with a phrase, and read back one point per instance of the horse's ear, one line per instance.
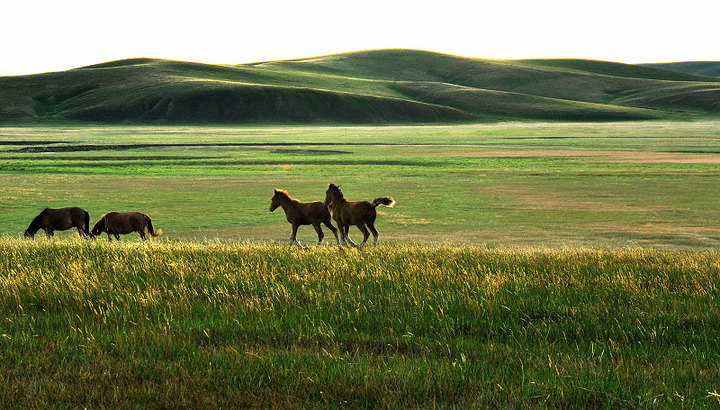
(276, 191)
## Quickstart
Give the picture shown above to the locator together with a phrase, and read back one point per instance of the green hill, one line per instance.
(707, 68)
(380, 86)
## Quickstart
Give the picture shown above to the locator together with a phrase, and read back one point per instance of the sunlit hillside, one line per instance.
(380, 86)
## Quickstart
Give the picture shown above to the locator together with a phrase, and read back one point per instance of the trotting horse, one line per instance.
(303, 213)
(116, 224)
(358, 213)
(51, 220)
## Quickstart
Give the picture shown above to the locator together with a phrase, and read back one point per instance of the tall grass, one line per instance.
(211, 324)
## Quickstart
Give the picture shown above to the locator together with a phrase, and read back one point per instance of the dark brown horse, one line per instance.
(303, 213)
(116, 224)
(51, 220)
(358, 213)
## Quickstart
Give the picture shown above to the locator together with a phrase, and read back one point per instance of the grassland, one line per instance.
(226, 325)
(525, 265)
(650, 184)
(370, 87)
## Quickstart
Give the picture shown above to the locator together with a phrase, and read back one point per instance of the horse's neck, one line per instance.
(38, 222)
(339, 202)
(288, 205)
(35, 226)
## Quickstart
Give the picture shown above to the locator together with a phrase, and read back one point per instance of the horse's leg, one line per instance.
(142, 234)
(333, 230)
(319, 231)
(371, 226)
(117, 236)
(347, 235)
(109, 237)
(364, 231)
(343, 233)
(81, 231)
(294, 241)
(339, 229)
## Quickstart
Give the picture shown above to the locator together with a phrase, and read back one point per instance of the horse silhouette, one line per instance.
(358, 213)
(303, 213)
(117, 223)
(51, 220)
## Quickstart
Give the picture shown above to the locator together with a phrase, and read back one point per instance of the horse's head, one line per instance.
(277, 199)
(98, 228)
(29, 235)
(333, 193)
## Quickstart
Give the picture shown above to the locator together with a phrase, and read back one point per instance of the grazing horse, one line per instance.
(116, 223)
(358, 213)
(51, 220)
(303, 213)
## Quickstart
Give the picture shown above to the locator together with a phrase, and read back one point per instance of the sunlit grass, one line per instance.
(223, 324)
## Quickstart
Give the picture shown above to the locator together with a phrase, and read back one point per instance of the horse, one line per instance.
(358, 213)
(51, 220)
(117, 223)
(303, 213)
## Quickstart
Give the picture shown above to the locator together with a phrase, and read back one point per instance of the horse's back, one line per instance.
(127, 215)
(65, 218)
(356, 212)
(125, 222)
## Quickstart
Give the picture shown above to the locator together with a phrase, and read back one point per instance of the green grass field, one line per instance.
(525, 265)
(225, 325)
(650, 184)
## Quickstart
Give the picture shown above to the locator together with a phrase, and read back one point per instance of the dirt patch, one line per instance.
(310, 151)
(527, 153)
(650, 157)
(604, 156)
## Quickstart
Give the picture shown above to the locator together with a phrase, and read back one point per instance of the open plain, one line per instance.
(524, 265)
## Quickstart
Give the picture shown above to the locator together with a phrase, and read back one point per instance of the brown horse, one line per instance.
(358, 213)
(303, 213)
(116, 223)
(51, 220)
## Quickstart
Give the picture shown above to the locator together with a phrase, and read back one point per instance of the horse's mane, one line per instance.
(285, 193)
(336, 188)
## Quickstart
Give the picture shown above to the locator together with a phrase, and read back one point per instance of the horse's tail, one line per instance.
(87, 223)
(151, 230)
(384, 200)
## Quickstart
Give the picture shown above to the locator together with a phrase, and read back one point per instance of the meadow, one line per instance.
(524, 265)
(650, 184)
(93, 324)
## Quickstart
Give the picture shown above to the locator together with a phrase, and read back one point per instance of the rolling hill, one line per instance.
(379, 86)
(707, 68)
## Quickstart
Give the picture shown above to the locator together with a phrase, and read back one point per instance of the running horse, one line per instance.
(358, 213)
(303, 213)
(51, 220)
(117, 223)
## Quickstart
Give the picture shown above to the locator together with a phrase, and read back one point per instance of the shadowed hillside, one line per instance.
(381, 86)
(708, 68)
